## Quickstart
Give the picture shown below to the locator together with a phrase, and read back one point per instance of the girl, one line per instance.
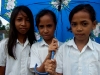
(46, 24)
(81, 55)
(15, 51)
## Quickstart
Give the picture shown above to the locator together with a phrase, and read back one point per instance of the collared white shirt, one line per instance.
(18, 66)
(70, 61)
(39, 52)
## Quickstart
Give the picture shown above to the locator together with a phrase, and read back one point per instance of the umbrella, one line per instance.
(61, 8)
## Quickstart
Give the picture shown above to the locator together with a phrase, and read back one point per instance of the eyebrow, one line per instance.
(23, 16)
(73, 22)
(81, 21)
(84, 21)
(40, 25)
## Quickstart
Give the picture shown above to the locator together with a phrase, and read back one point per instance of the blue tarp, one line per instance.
(62, 16)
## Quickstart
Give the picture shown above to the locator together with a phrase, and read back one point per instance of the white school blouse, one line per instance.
(70, 61)
(18, 66)
(39, 52)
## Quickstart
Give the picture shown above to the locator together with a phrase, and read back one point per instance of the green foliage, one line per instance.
(5, 28)
(0, 22)
(2, 27)
(68, 39)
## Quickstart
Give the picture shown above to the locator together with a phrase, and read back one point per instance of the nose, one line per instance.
(79, 28)
(23, 23)
(45, 30)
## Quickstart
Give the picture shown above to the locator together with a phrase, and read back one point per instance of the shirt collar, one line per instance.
(26, 42)
(17, 41)
(72, 43)
(43, 43)
(90, 44)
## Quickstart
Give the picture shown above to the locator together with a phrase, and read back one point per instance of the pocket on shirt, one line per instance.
(94, 68)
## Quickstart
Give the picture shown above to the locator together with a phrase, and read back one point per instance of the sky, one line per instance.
(4, 22)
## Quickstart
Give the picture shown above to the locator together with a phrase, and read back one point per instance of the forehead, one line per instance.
(46, 18)
(81, 15)
(21, 14)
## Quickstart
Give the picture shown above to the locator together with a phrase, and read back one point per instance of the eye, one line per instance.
(49, 25)
(84, 24)
(41, 26)
(73, 24)
(19, 19)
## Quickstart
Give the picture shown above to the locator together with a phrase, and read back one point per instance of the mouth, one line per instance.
(23, 29)
(46, 35)
(79, 35)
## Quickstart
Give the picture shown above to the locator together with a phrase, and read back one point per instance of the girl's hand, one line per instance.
(52, 47)
(50, 66)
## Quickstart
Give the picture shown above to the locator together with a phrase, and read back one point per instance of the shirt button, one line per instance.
(80, 69)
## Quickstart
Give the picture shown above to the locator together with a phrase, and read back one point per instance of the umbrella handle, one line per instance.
(39, 73)
(46, 73)
(52, 54)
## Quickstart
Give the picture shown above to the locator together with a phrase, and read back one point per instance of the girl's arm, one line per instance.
(50, 67)
(41, 68)
(3, 56)
(52, 47)
(59, 74)
(35, 59)
(2, 70)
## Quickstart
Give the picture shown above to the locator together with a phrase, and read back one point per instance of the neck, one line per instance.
(48, 41)
(81, 43)
(22, 38)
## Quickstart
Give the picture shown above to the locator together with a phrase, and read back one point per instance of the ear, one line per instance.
(94, 24)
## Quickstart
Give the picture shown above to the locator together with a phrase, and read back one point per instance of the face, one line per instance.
(82, 25)
(22, 23)
(46, 27)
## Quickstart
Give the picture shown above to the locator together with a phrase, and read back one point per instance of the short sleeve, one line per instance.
(3, 54)
(59, 60)
(34, 57)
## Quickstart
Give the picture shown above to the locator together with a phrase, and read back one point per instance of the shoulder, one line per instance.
(66, 44)
(3, 42)
(96, 45)
(60, 43)
(63, 47)
(36, 44)
(3, 46)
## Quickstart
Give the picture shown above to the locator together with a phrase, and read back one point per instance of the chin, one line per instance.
(80, 39)
(46, 39)
(23, 33)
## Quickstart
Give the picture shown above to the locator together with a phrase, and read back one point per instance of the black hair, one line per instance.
(45, 12)
(13, 34)
(83, 7)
